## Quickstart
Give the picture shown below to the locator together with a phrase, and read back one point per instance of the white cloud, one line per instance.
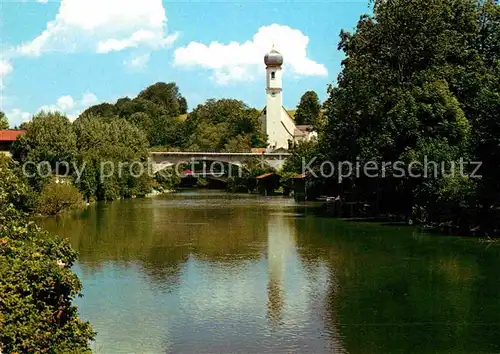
(5, 69)
(102, 26)
(138, 62)
(17, 116)
(88, 100)
(42, 1)
(242, 61)
(69, 106)
(65, 102)
(233, 73)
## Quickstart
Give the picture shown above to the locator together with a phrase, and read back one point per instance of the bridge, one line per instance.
(162, 160)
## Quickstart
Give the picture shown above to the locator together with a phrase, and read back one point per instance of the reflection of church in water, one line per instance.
(280, 243)
(297, 289)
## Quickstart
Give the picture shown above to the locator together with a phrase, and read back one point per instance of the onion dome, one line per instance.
(273, 58)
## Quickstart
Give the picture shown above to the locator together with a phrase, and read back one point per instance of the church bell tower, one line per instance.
(274, 99)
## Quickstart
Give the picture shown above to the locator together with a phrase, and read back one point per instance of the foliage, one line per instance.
(219, 125)
(420, 79)
(247, 182)
(37, 285)
(56, 198)
(183, 105)
(286, 178)
(216, 125)
(239, 143)
(4, 123)
(201, 182)
(49, 139)
(308, 110)
(164, 95)
(114, 154)
(301, 156)
(155, 111)
(20, 196)
(102, 110)
(106, 156)
(167, 178)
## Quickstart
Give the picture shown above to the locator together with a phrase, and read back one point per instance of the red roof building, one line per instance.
(10, 135)
(7, 137)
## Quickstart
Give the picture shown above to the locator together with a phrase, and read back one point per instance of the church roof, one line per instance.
(298, 132)
(305, 128)
(273, 58)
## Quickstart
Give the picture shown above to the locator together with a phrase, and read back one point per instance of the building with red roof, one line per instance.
(7, 137)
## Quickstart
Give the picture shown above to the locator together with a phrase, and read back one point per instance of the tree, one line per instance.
(183, 106)
(215, 123)
(155, 111)
(37, 285)
(303, 154)
(308, 110)
(415, 86)
(114, 154)
(102, 110)
(239, 143)
(56, 198)
(49, 141)
(165, 95)
(4, 123)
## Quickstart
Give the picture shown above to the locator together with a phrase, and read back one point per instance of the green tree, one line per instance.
(308, 110)
(37, 285)
(102, 110)
(155, 111)
(183, 106)
(480, 94)
(49, 141)
(411, 87)
(56, 198)
(216, 123)
(165, 95)
(305, 153)
(114, 155)
(239, 143)
(4, 123)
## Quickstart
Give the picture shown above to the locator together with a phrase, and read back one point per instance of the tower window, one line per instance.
(273, 75)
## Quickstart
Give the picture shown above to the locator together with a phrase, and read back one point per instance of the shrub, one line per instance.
(167, 178)
(37, 285)
(56, 198)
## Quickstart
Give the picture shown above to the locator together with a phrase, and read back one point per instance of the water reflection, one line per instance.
(280, 244)
(210, 272)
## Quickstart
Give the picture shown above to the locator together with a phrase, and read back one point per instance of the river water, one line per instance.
(208, 272)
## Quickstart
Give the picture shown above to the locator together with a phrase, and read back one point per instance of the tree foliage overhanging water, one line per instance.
(37, 285)
(421, 80)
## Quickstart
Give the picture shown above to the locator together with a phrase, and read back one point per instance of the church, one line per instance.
(276, 122)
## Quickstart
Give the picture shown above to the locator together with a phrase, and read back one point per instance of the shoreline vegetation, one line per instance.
(410, 88)
(37, 284)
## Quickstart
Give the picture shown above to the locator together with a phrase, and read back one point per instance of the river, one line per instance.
(209, 272)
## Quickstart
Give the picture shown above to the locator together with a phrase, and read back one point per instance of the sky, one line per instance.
(67, 55)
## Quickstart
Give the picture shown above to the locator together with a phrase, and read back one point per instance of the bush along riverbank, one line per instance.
(37, 285)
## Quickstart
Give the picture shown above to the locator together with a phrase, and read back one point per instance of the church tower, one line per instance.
(274, 102)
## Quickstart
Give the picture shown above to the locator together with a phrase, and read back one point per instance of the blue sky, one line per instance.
(70, 54)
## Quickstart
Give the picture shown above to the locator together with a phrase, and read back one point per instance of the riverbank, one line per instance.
(156, 192)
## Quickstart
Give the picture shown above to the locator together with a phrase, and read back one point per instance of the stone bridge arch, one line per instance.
(162, 160)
